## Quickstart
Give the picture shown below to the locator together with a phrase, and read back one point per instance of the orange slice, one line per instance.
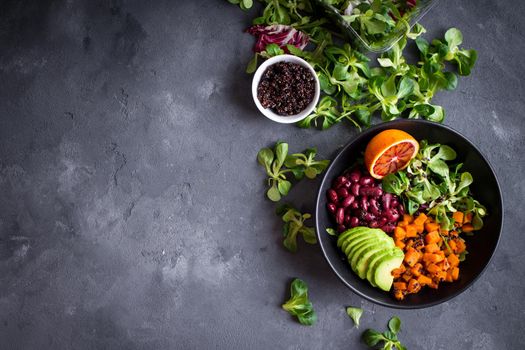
(389, 151)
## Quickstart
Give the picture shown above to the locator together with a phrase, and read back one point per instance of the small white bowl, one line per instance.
(268, 113)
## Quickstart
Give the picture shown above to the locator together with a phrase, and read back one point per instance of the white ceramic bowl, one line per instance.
(267, 111)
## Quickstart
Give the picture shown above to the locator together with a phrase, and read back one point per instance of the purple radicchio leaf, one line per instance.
(279, 34)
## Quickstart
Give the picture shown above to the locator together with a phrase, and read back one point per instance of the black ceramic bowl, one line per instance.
(481, 245)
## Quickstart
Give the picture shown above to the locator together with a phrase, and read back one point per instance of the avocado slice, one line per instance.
(364, 247)
(373, 262)
(372, 236)
(382, 272)
(362, 232)
(370, 252)
(349, 248)
(349, 233)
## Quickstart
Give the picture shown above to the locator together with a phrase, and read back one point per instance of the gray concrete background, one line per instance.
(132, 210)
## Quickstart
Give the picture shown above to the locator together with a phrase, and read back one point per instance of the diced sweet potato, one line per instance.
(424, 280)
(407, 219)
(467, 228)
(413, 286)
(440, 276)
(399, 243)
(417, 269)
(420, 220)
(412, 257)
(399, 294)
(460, 246)
(433, 269)
(431, 226)
(399, 271)
(432, 237)
(458, 218)
(455, 273)
(432, 258)
(453, 260)
(406, 276)
(400, 285)
(411, 231)
(399, 233)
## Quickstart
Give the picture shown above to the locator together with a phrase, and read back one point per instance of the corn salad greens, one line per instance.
(279, 164)
(388, 338)
(354, 88)
(438, 187)
(298, 305)
(294, 226)
(355, 314)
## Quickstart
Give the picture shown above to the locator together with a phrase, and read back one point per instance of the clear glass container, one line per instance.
(384, 44)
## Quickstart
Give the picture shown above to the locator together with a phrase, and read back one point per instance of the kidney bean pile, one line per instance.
(357, 199)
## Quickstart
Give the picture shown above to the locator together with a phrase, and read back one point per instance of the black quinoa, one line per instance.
(286, 88)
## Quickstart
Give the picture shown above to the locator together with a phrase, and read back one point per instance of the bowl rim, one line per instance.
(320, 197)
(268, 113)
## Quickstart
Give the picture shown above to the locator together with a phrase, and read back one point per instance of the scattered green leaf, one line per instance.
(294, 226)
(355, 314)
(298, 305)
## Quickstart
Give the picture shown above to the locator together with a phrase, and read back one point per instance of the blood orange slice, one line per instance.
(389, 151)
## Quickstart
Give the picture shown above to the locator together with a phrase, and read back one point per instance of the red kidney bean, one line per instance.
(370, 191)
(401, 209)
(354, 221)
(354, 205)
(394, 203)
(394, 216)
(373, 224)
(366, 180)
(355, 175)
(342, 192)
(387, 200)
(363, 203)
(368, 217)
(348, 218)
(382, 221)
(391, 214)
(355, 189)
(347, 201)
(373, 207)
(340, 181)
(331, 207)
(340, 216)
(332, 195)
(341, 228)
(365, 191)
(388, 228)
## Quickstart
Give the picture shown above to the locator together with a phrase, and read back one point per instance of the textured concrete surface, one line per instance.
(132, 210)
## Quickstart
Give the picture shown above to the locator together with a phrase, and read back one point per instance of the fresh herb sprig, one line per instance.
(430, 181)
(298, 305)
(372, 338)
(279, 164)
(294, 225)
